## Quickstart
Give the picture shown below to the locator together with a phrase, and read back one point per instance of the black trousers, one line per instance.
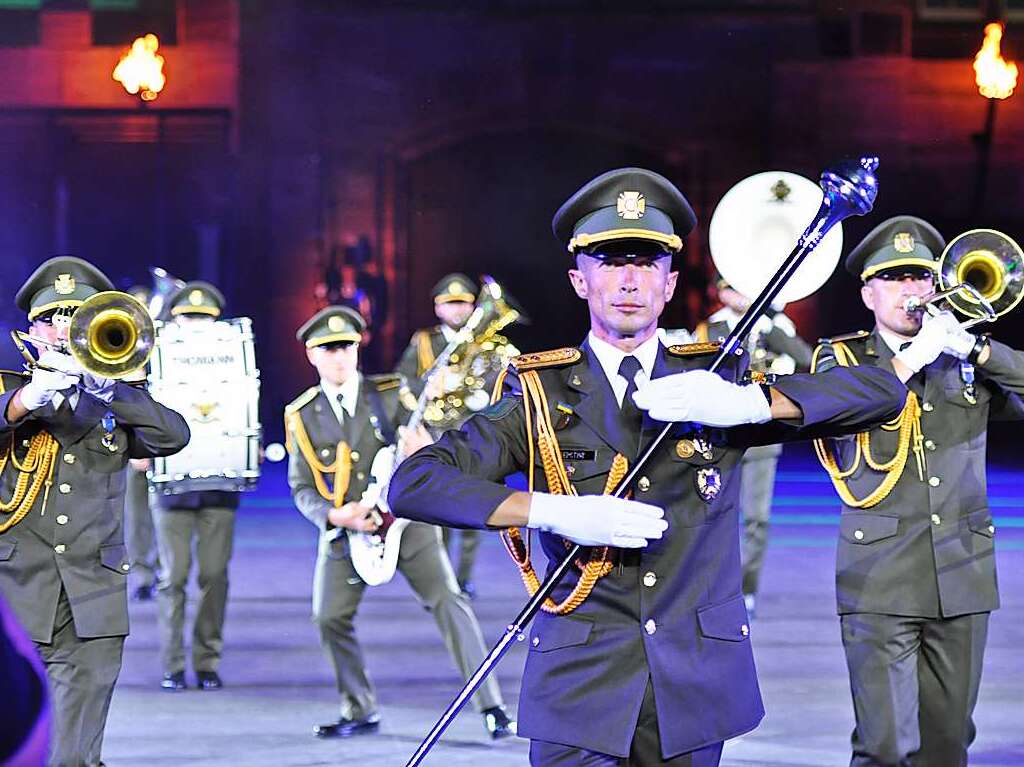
(915, 683)
(645, 750)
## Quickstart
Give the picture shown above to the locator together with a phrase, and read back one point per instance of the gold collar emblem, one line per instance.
(903, 242)
(64, 285)
(631, 206)
(335, 324)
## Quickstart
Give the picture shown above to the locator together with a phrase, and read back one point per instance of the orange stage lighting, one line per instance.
(140, 69)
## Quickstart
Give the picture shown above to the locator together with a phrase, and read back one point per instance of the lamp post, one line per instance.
(140, 68)
(996, 78)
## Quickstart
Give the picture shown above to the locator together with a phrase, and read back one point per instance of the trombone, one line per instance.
(111, 335)
(981, 276)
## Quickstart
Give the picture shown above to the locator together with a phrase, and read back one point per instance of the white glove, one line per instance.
(44, 384)
(930, 341)
(597, 520)
(959, 343)
(702, 397)
(65, 363)
(97, 386)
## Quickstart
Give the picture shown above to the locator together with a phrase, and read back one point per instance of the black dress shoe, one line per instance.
(346, 728)
(143, 593)
(208, 680)
(174, 682)
(498, 724)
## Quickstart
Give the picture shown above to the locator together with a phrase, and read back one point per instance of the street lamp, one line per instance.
(996, 78)
(140, 69)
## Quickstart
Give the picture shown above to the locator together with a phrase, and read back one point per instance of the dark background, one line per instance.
(304, 149)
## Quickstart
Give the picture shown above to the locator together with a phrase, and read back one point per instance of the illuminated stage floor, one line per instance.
(279, 685)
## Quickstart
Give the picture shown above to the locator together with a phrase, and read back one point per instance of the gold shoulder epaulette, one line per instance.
(302, 400)
(854, 336)
(385, 381)
(690, 350)
(549, 359)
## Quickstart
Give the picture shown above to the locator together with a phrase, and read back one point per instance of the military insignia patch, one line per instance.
(903, 242)
(335, 324)
(631, 206)
(709, 483)
(64, 285)
(195, 298)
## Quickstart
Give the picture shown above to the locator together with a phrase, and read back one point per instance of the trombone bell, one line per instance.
(989, 262)
(111, 334)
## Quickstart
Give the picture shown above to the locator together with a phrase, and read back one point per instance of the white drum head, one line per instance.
(759, 222)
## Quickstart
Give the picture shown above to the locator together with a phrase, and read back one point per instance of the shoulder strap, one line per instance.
(376, 399)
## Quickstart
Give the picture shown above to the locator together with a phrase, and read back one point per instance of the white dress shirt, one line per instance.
(610, 358)
(892, 340)
(349, 392)
(448, 333)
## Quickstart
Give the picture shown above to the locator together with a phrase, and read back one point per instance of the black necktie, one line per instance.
(628, 369)
(342, 415)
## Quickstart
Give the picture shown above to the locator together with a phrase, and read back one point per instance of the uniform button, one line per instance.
(62, 519)
(64, 488)
(936, 519)
(858, 534)
(650, 579)
(355, 455)
(650, 627)
(934, 481)
(125, 567)
(69, 458)
(59, 548)
(360, 476)
(927, 407)
(929, 444)
(745, 630)
(992, 529)
(643, 484)
(536, 642)
(325, 452)
(570, 470)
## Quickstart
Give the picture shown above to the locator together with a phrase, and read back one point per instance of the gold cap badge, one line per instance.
(335, 324)
(631, 205)
(454, 288)
(196, 297)
(903, 242)
(64, 285)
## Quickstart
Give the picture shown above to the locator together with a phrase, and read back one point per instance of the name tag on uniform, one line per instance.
(578, 454)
